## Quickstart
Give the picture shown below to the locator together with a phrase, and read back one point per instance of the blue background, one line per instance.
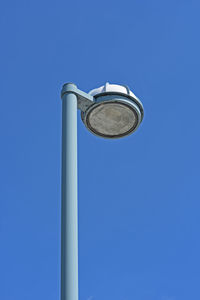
(139, 219)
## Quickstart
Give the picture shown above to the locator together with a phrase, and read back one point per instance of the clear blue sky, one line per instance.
(139, 197)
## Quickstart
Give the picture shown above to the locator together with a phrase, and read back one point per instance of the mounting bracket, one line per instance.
(84, 100)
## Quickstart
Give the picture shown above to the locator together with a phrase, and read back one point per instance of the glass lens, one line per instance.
(112, 119)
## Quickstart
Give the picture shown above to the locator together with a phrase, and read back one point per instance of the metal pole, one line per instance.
(69, 213)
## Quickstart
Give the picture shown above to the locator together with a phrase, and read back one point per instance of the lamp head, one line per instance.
(116, 112)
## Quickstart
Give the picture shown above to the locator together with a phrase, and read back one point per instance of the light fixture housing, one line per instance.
(115, 112)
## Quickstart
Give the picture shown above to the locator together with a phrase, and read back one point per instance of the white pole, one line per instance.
(69, 213)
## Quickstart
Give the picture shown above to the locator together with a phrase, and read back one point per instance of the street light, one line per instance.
(111, 111)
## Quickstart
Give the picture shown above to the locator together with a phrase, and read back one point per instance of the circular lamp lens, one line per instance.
(112, 120)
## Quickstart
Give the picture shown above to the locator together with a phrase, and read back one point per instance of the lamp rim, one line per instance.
(130, 97)
(118, 98)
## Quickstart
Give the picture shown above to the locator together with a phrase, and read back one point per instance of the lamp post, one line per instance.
(111, 111)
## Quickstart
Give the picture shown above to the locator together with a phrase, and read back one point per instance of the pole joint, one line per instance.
(84, 100)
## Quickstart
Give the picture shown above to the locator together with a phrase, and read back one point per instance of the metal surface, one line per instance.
(113, 88)
(69, 213)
